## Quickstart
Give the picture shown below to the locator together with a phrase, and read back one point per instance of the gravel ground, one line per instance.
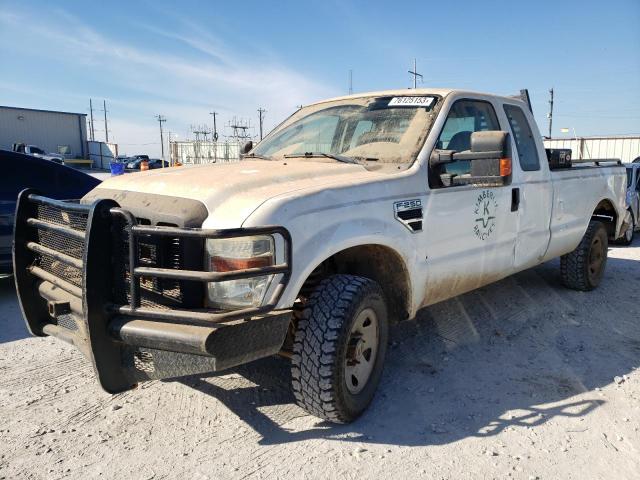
(520, 379)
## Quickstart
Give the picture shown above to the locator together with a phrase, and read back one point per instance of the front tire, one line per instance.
(339, 348)
(583, 268)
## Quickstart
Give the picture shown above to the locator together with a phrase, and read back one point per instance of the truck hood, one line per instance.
(231, 192)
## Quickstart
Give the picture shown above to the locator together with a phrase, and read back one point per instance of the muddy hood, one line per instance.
(231, 192)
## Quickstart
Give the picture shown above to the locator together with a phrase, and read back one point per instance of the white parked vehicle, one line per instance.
(37, 152)
(353, 213)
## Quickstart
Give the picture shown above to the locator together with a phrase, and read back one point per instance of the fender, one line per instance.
(334, 228)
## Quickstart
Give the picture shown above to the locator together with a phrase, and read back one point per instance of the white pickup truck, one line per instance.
(37, 152)
(352, 213)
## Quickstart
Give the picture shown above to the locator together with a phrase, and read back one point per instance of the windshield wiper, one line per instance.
(256, 155)
(340, 158)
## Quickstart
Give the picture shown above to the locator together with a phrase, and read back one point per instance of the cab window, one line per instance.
(525, 143)
(464, 118)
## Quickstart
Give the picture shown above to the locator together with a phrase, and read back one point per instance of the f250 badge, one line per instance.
(409, 213)
(485, 211)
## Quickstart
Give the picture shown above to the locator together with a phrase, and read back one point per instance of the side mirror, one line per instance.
(490, 163)
(489, 141)
(247, 147)
(490, 156)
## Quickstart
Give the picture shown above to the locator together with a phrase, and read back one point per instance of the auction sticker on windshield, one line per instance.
(411, 102)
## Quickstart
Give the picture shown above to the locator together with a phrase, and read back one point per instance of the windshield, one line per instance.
(377, 129)
(37, 150)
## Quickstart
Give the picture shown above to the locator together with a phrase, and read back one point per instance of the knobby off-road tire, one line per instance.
(583, 268)
(336, 325)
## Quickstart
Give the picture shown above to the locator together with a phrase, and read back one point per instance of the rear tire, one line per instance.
(583, 268)
(339, 348)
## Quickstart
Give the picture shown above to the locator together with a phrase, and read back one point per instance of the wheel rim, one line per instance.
(362, 350)
(596, 258)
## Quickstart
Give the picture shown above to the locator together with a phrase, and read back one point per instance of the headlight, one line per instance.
(225, 255)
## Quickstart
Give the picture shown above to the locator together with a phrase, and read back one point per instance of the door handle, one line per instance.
(515, 199)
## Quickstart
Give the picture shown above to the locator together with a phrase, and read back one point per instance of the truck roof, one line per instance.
(410, 91)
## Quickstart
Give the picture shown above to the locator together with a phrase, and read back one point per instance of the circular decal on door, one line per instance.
(485, 210)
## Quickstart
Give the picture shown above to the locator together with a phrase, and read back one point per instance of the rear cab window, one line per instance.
(523, 137)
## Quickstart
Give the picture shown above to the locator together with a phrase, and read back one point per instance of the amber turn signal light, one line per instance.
(221, 264)
(505, 167)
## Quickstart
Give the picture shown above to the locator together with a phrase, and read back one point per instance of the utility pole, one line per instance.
(161, 120)
(170, 149)
(93, 137)
(106, 130)
(261, 112)
(215, 129)
(550, 111)
(415, 75)
(214, 136)
(350, 82)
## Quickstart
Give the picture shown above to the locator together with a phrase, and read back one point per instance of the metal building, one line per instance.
(55, 132)
(623, 147)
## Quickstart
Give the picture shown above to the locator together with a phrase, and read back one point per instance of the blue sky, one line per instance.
(185, 59)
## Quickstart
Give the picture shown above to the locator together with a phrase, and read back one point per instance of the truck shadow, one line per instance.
(12, 326)
(515, 354)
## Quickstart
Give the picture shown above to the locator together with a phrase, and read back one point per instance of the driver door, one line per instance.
(470, 231)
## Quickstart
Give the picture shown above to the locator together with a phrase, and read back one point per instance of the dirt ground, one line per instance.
(521, 379)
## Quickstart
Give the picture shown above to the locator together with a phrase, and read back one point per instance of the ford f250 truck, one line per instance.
(352, 213)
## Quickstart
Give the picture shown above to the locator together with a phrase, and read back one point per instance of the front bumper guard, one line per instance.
(130, 343)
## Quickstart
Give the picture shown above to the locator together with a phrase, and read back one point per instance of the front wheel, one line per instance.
(583, 268)
(339, 348)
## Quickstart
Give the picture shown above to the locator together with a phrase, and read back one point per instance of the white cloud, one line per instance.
(139, 82)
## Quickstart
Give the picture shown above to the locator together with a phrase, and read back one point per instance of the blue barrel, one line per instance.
(117, 168)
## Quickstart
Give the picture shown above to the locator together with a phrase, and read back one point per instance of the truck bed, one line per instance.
(575, 191)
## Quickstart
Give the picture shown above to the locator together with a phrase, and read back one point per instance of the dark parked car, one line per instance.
(20, 171)
(133, 163)
(157, 163)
